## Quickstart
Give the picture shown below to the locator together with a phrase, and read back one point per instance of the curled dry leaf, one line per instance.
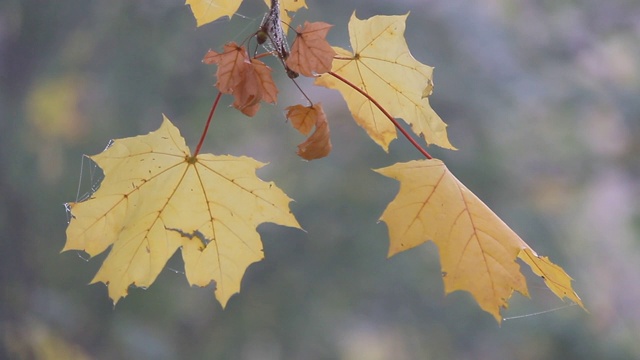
(304, 118)
(318, 145)
(249, 80)
(256, 85)
(311, 53)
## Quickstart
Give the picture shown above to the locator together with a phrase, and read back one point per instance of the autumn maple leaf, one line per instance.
(311, 54)
(231, 65)
(256, 84)
(249, 80)
(305, 118)
(383, 67)
(206, 11)
(156, 198)
(478, 250)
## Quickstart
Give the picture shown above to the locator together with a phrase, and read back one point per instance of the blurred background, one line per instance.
(542, 98)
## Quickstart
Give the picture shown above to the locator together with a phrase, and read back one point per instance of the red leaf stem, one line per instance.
(386, 113)
(206, 127)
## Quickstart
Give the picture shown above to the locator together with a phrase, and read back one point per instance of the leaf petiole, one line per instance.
(386, 113)
(206, 126)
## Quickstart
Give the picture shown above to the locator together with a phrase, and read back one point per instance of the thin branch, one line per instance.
(303, 93)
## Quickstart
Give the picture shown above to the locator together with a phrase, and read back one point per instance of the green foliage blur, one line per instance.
(541, 98)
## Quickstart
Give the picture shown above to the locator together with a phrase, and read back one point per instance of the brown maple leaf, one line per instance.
(311, 53)
(249, 80)
(231, 64)
(304, 118)
(265, 81)
(247, 93)
(256, 84)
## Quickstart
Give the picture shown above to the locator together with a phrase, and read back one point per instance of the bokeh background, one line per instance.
(542, 99)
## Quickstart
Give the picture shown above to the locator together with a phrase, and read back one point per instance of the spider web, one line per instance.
(541, 301)
(89, 181)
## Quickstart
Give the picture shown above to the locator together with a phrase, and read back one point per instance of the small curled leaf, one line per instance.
(304, 118)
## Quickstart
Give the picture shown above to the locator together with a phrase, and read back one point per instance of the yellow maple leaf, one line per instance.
(382, 66)
(206, 11)
(156, 198)
(478, 250)
(303, 118)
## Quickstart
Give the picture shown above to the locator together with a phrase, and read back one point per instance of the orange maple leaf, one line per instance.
(478, 250)
(231, 64)
(311, 53)
(265, 81)
(304, 118)
(256, 84)
(247, 93)
(249, 80)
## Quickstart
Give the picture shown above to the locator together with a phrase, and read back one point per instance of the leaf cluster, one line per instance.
(157, 197)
